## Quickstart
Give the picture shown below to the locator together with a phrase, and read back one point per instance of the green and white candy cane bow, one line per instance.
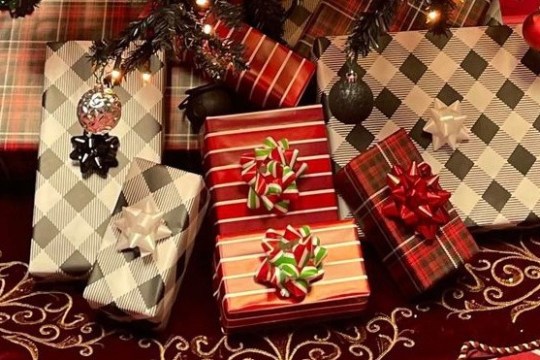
(294, 260)
(271, 172)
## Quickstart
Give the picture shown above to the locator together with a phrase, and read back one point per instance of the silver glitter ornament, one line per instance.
(99, 110)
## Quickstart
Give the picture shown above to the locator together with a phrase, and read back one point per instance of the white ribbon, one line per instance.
(447, 125)
(141, 226)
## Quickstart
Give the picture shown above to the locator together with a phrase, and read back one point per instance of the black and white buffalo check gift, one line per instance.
(71, 212)
(495, 176)
(128, 286)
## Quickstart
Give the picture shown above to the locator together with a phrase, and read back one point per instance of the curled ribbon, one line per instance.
(271, 172)
(293, 261)
(417, 199)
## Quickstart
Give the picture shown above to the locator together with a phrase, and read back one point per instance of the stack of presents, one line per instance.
(293, 193)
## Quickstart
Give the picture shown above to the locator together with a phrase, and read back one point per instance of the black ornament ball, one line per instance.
(351, 100)
(207, 102)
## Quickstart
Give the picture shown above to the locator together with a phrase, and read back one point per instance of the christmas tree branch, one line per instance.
(266, 15)
(19, 8)
(369, 27)
(167, 26)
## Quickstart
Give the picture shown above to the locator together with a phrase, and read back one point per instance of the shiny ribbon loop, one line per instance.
(293, 261)
(271, 172)
(141, 227)
(417, 199)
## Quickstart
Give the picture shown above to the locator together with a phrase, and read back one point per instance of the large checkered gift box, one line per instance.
(493, 177)
(142, 289)
(416, 261)
(71, 213)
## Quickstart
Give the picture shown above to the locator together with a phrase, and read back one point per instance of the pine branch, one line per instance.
(268, 16)
(369, 27)
(167, 25)
(19, 8)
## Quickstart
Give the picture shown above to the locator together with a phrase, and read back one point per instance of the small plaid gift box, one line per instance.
(416, 257)
(245, 302)
(139, 269)
(277, 77)
(336, 17)
(295, 194)
(494, 74)
(71, 211)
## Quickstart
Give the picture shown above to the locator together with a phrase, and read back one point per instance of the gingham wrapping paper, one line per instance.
(229, 137)
(336, 17)
(414, 263)
(277, 77)
(71, 213)
(492, 177)
(245, 304)
(131, 288)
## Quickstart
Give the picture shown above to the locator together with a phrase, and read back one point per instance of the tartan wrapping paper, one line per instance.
(245, 304)
(297, 20)
(71, 213)
(414, 263)
(23, 55)
(128, 287)
(336, 17)
(227, 138)
(277, 77)
(492, 177)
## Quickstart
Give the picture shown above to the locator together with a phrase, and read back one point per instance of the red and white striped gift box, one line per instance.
(227, 138)
(277, 77)
(245, 304)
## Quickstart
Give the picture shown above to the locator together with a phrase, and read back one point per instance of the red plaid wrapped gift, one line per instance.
(307, 196)
(336, 17)
(418, 257)
(245, 303)
(277, 77)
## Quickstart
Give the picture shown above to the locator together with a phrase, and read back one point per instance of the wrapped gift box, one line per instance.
(416, 263)
(71, 212)
(277, 77)
(492, 177)
(244, 303)
(336, 17)
(229, 137)
(142, 289)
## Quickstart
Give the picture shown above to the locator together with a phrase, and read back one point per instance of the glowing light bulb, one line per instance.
(433, 16)
(202, 3)
(116, 74)
(207, 29)
(146, 76)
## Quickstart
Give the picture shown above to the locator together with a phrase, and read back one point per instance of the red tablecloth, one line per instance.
(489, 309)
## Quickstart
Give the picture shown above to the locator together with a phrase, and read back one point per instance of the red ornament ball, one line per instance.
(531, 30)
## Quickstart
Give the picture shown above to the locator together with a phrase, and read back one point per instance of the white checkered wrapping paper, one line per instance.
(494, 178)
(128, 287)
(71, 213)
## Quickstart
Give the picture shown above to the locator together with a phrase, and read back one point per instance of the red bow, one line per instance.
(417, 199)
